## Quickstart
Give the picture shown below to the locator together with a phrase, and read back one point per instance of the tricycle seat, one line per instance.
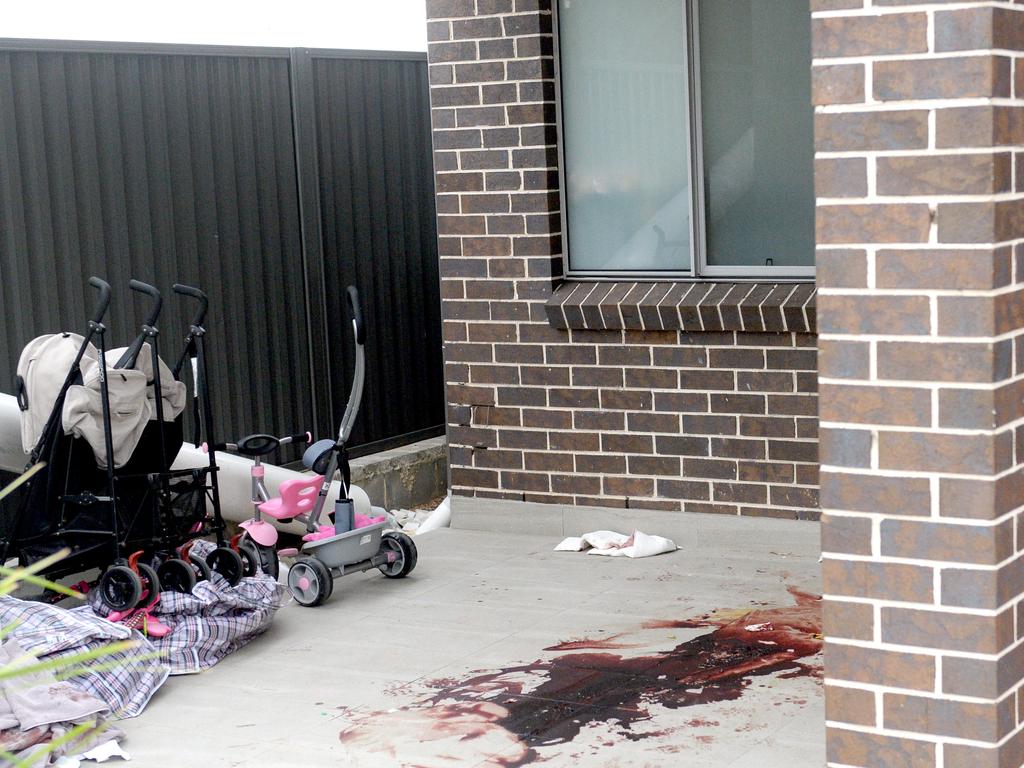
(297, 498)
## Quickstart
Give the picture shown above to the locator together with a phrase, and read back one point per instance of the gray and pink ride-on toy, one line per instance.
(351, 542)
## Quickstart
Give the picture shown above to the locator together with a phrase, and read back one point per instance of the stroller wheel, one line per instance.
(405, 554)
(251, 560)
(150, 586)
(227, 563)
(310, 582)
(176, 575)
(120, 588)
(202, 570)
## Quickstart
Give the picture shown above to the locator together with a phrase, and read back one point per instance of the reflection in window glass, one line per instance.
(623, 68)
(757, 119)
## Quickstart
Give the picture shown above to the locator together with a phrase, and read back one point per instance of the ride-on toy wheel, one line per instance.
(150, 586)
(267, 557)
(176, 575)
(310, 582)
(405, 554)
(227, 563)
(120, 588)
(271, 565)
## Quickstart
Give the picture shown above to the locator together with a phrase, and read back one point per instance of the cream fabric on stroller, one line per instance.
(129, 411)
(132, 403)
(172, 392)
(43, 366)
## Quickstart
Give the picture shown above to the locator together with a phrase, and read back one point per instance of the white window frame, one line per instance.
(699, 267)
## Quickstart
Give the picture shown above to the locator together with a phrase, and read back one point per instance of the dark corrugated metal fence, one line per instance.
(363, 214)
(270, 178)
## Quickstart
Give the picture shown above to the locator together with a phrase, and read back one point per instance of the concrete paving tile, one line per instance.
(438, 611)
(379, 650)
(507, 518)
(159, 747)
(778, 754)
(567, 566)
(508, 595)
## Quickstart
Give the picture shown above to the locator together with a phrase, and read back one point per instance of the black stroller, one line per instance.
(135, 521)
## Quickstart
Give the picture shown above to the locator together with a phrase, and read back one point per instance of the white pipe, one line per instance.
(235, 481)
(12, 458)
(236, 485)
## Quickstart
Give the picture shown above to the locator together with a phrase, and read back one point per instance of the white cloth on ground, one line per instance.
(36, 710)
(100, 754)
(614, 544)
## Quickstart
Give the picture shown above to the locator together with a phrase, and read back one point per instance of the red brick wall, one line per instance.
(706, 422)
(922, 379)
(694, 411)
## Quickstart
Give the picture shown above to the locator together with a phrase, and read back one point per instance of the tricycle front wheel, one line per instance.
(265, 557)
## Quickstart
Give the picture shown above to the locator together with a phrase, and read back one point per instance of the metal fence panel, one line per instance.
(165, 168)
(380, 232)
(179, 164)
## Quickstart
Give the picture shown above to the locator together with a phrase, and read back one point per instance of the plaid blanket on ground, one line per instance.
(214, 620)
(126, 683)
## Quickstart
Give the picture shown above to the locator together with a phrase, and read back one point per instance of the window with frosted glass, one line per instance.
(625, 115)
(757, 128)
(630, 157)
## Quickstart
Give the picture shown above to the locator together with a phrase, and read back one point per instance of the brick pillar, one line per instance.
(921, 315)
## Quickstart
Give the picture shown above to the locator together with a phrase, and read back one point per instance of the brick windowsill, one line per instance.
(685, 306)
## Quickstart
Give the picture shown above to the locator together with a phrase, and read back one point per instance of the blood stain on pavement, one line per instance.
(512, 712)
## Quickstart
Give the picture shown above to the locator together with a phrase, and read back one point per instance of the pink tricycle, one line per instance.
(347, 542)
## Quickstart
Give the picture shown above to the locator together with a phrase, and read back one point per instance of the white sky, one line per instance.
(398, 25)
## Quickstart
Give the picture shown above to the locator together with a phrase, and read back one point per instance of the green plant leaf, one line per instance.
(14, 669)
(14, 577)
(78, 671)
(21, 479)
(38, 581)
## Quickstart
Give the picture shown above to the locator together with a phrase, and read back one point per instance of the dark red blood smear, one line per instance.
(602, 644)
(585, 688)
(580, 689)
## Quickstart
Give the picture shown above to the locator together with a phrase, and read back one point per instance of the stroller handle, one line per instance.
(149, 290)
(195, 293)
(128, 359)
(356, 310)
(104, 298)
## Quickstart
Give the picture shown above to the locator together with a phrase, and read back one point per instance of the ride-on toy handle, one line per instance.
(258, 445)
(356, 310)
(195, 293)
(149, 290)
(104, 298)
